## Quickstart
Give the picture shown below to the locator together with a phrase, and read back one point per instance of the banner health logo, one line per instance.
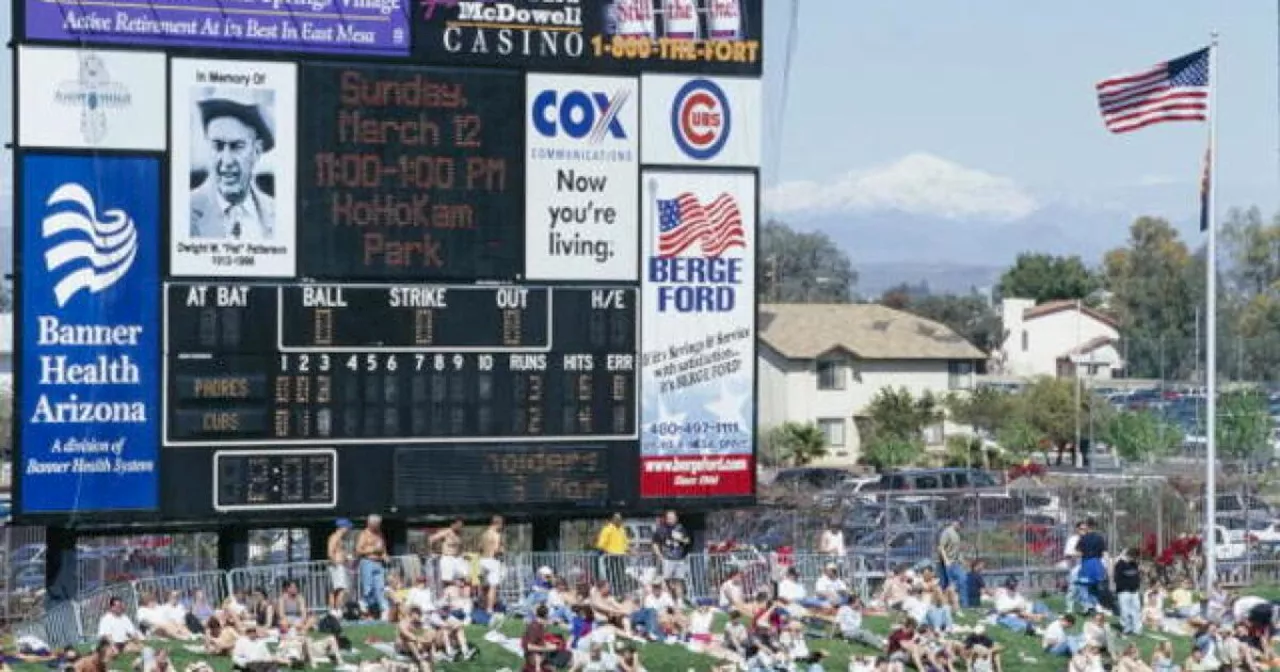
(700, 119)
(689, 267)
(94, 93)
(86, 255)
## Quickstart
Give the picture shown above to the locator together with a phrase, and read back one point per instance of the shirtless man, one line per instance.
(415, 640)
(338, 577)
(452, 565)
(491, 552)
(371, 548)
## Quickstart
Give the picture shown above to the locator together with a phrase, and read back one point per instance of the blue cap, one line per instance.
(344, 523)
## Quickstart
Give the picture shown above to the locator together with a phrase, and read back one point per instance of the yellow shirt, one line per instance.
(613, 540)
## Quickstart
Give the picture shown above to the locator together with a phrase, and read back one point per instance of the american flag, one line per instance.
(1176, 90)
(684, 221)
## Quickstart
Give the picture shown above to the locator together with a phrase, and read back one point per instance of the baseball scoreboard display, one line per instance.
(414, 257)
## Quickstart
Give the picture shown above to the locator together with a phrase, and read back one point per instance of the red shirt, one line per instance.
(897, 637)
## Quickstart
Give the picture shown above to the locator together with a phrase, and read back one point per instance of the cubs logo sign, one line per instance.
(701, 119)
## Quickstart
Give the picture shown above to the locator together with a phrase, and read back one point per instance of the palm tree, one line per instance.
(798, 443)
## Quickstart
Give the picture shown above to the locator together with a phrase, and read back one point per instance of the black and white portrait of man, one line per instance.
(231, 202)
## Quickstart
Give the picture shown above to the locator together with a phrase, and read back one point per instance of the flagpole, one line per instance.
(1211, 330)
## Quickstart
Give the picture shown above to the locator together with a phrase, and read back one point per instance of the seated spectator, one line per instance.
(220, 634)
(251, 652)
(901, 647)
(544, 581)
(199, 606)
(1153, 608)
(849, 623)
(700, 622)
(629, 658)
(1057, 640)
(261, 608)
(451, 633)
(939, 614)
(1183, 602)
(421, 595)
(560, 601)
(153, 620)
(975, 586)
(538, 647)
(99, 661)
(1198, 662)
(896, 589)
(791, 593)
(736, 635)
(291, 609)
(396, 593)
(792, 642)
(1130, 660)
(1162, 658)
(176, 612)
(415, 640)
(598, 659)
(296, 649)
(1014, 611)
(733, 594)
(608, 608)
(1094, 632)
(916, 604)
(980, 652)
(830, 587)
(115, 627)
(460, 599)
(1087, 659)
(670, 620)
(235, 608)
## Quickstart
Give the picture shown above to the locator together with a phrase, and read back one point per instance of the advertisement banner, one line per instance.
(698, 334)
(91, 99)
(580, 178)
(702, 121)
(348, 27)
(233, 182)
(619, 36)
(412, 173)
(90, 351)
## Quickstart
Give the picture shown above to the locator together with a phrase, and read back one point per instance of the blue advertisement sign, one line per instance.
(90, 351)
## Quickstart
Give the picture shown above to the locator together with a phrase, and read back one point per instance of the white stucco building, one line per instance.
(1053, 339)
(823, 363)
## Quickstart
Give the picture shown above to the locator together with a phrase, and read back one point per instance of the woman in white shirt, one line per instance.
(700, 625)
(154, 620)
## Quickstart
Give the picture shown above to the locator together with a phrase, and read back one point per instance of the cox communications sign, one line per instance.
(698, 334)
(583, 160)
(90, 351)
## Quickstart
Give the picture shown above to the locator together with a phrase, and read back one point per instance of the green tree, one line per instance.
(899, 414)
(1244, 425)
(986, 409)
(1019, 437)
(1248, 301)
(970, 315)
(797, 443)
(1048, 405)
(1140, 436)
(1046, 277)
(803, 267)
(889, 452)
(1156, 284)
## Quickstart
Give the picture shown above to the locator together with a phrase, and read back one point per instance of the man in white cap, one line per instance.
(228, 204)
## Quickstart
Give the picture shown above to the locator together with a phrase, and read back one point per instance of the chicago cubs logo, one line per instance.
(700, 119)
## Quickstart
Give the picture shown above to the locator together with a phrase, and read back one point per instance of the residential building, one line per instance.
(824, 363)
(1057, 339)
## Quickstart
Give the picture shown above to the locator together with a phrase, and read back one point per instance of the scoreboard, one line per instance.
(412, 258)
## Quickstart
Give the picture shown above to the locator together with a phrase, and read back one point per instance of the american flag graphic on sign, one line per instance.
(684, 221)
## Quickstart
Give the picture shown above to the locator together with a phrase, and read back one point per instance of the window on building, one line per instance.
(933, 436)
(831, 374)
(960, 375)
(1026, 340)
(833, 429)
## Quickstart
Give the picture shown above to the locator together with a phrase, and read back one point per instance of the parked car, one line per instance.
(1237, 505)
(847, 492)
(870, 518)
(883, 550)
(936, 479)
(818, 478)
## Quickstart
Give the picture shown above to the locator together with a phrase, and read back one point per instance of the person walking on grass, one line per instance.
(951, 563)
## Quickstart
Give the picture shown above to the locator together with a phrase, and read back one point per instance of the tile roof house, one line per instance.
(1058, 338)
(823, 363)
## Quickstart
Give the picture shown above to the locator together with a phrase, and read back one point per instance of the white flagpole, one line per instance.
(1211, 327)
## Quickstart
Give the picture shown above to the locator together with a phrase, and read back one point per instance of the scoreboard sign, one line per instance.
(421, 258)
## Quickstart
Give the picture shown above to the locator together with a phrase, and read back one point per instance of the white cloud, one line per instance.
(918, 184)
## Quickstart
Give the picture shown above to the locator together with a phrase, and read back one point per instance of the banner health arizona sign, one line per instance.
(372, 27)
(90, 351)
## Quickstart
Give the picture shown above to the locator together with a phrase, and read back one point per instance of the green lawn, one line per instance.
(1022, 653)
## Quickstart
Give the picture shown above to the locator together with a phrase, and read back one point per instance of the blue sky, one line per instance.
(1000, 92)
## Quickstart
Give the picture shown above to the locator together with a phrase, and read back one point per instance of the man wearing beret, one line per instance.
(228, 204)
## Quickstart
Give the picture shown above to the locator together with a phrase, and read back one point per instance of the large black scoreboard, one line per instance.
(408, 258)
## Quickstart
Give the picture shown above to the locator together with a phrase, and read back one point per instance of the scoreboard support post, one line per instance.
(545, 535)
(396, 532)
(318, 541)
(61, 565)
(233, 548)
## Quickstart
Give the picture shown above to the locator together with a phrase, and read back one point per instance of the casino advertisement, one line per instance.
(350, 27)
(697, 334)
(412, 173)
(702, 121)
(582, 164)
(717, 36)
(90, 334)
(232, 181)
